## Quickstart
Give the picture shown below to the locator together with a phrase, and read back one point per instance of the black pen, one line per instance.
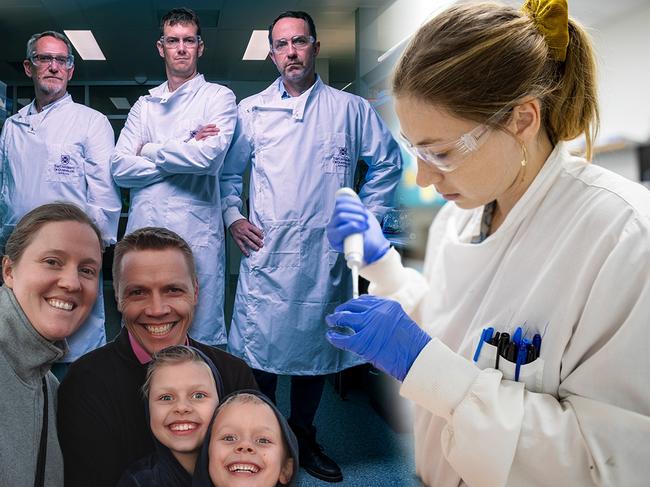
(531, 354)
(504, 339)
(537, 341)
(511, 352)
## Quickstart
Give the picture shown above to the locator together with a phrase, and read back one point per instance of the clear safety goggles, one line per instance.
(447, 156)
(171, 42)
(299, 43)
(47, 59)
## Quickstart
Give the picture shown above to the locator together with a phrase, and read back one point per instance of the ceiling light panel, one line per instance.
(258, 46)
(85, 44)
(120, 102)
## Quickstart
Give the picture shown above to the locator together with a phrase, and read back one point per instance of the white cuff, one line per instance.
(439, 379)
(390, 279)
(231, 215)
(389, 264)
(150, 151)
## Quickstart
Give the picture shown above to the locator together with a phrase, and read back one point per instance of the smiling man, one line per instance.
(303, 139)
(102, 424)
(170, 153)
(56, 150)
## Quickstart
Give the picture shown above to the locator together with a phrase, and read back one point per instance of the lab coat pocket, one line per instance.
(337, 153)
(488, 356)
(64, 163)
(530, 374)
(282, 245)
(191, 219)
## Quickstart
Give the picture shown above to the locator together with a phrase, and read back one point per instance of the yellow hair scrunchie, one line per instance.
(551, 18)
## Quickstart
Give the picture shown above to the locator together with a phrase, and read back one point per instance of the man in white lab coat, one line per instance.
(55, 149)
(304, 139)
(169, 154)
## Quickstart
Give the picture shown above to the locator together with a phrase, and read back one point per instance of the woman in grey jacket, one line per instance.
(51, 273)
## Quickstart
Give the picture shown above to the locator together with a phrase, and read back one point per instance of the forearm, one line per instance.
(390, 279)
(131, 171)
(192, 157)
(382, 155)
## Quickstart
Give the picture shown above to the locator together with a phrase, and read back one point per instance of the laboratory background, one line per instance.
(362, 420)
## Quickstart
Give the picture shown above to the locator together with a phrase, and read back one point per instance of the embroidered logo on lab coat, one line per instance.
(342, 157)
(64, 168)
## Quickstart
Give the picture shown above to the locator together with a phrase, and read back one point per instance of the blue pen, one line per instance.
(521, 359)
(486, 334)
(480, 345)
(516, 338)
(537, 341)
(194, 133)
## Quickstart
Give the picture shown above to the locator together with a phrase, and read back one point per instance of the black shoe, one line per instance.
(312, 458)
(317, 464)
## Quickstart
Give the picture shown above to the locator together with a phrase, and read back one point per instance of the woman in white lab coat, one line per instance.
(532, 237)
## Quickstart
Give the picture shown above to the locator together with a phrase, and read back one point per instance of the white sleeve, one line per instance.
(382, 155)
(131, 170)
(231, 180)
(595, 432)
(204, 156)
(102, 197)
(390, 279)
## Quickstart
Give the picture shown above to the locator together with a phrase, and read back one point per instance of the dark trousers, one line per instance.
(306, 391)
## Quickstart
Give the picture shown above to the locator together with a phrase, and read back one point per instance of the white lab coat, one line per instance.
(61, 153)
(174, 182)
(302, 149)
(571, 261)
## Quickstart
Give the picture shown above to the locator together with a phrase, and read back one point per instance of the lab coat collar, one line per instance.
(531, 199)
(285, 94)
(30, 109)
(272, 98)
(162, 95)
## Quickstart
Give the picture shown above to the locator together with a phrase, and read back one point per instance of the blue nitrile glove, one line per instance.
(384, 335)
(351, 216)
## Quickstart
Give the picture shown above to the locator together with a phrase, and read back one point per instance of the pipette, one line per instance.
(353, 251)
(353, 248)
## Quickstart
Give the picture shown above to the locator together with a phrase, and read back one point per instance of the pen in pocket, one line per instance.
(537, 342)
(504, 339)
(193, 133)
(486, 336)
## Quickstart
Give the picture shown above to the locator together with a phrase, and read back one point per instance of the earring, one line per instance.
(524, 161)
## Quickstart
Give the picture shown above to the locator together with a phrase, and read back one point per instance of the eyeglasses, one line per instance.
(47, 59)
(299, 43)
(447, 156)
(190, 42)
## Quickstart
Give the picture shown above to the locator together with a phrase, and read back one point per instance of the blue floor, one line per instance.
(369, 453)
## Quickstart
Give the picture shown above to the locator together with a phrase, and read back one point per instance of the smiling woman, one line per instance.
(51, 275)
